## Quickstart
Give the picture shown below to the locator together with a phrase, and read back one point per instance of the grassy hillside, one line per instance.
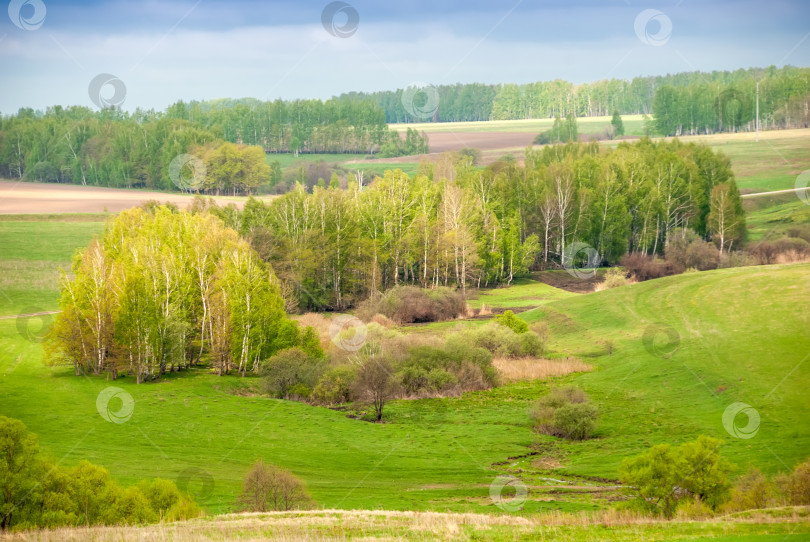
(31, 253)
(742, 335)
(742, 331)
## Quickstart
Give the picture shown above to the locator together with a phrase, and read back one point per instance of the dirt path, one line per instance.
(29, 315)
(775, 192)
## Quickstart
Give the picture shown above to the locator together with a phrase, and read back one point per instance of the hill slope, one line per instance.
(713, 339)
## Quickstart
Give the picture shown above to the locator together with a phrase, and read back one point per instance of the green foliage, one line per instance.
(615, 277)
(565, 412)
(160, 289)
(335, 386)
(797, 485)
(664, 475)
(453, 225)
(499, 340)
(781, 90)
(511, 321)
(562, 131)
(20, 469)
(617, 124)
(134, 150)
(290, 372)
(751, 491)
(575, 421)
(36, 493)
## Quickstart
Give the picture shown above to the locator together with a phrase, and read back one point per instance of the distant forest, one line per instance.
(118, 149)
(688, 102)
(135, 150)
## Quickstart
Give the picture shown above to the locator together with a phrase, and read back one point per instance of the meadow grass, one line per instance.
(742, 337)
(417, 526)
(31, 255)
(287, 159)
(771, 216)
(522, 293)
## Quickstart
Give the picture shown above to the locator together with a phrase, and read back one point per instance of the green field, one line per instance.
(521, 294)
(771, 216)
(30, 257)
(743, 336)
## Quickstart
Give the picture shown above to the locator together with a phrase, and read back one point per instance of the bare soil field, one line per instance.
(18, 197)
(455, 140)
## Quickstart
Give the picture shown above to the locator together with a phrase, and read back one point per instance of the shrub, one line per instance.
(735, 258)
(642, 267)
(500, 341)
(511, 321)
(291, 370)
(409, 304)
(35, 493)
(791, 249)
(614, 277)
(764, 252)
(752, 491)
(693, 509)
(271, 488)
(168, 501)
(565, 412)
(456, 366)
(797, 485)
(663, 476)
(576, 421)
(335, 386)
(687, 250)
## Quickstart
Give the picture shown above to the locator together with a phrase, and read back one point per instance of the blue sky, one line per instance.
(168, 50)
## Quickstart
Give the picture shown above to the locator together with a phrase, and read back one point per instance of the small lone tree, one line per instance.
(268, 487)
(375, 383)
(617, 123)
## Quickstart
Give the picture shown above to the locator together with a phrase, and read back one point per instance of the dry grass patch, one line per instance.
(527, 368)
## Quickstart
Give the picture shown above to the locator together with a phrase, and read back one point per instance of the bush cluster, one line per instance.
(410, 304)
(501, 341)
(692, 481)
(565, 412)
(688, 252)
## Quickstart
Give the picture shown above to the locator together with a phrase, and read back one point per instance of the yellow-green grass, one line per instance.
(31, 254)
(784, 526)
(287, 159)
(633, 125)
(521, 294)
(773, 163)
(743, 335)
(769, 217)
(742, 329)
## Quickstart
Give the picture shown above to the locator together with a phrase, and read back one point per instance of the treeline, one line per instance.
(160, 290)
(730, 104)
(478, 102)
(308, 126)
(453, 224)
(117, 149)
